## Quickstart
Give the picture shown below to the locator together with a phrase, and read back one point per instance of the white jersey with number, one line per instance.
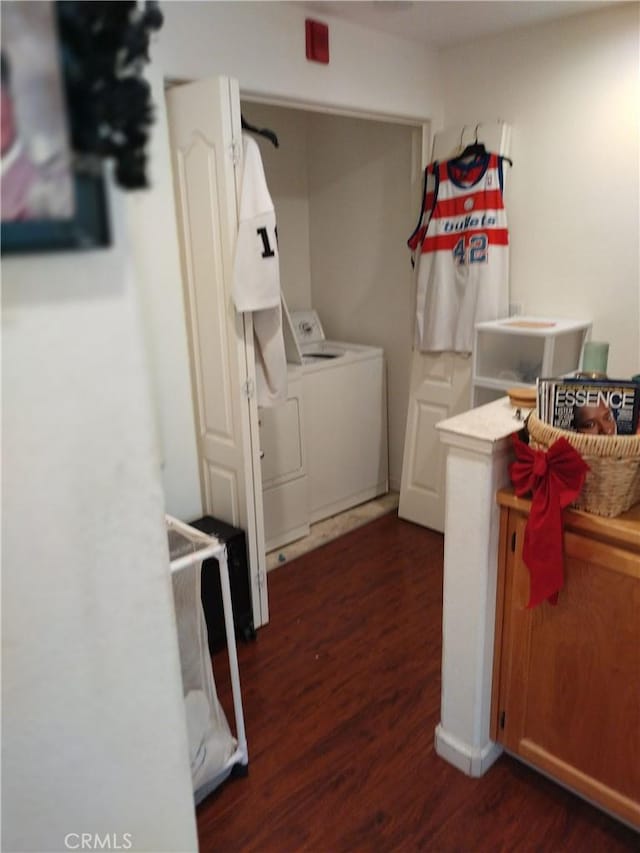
(256, 276)
(461, 248)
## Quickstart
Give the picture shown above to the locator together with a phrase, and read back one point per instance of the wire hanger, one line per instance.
(476, 148)
(460, 145)
(261, 131)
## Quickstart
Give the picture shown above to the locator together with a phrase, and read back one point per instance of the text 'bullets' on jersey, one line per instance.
(461, 249)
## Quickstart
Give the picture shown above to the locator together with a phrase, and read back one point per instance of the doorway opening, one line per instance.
(346, 189)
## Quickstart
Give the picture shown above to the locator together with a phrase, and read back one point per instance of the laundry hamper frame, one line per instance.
(207, 546)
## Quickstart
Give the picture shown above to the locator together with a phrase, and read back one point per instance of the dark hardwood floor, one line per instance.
(341, 696)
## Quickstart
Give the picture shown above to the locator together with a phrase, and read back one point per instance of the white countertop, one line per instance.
(490, 423)
(536, 326)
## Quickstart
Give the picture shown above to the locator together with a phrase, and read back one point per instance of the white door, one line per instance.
(204, 128)
(439, 389)
(440, 382)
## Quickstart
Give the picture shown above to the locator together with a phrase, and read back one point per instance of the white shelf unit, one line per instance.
(515, 351)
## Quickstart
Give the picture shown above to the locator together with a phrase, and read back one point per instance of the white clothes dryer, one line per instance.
(345, 418)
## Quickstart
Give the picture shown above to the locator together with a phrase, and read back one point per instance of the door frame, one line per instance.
(423, 125)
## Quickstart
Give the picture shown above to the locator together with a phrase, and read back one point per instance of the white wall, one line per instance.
(571, 92)
(94, 733)
(569, 89)
(153, 216)
(262, 45)
(365, 185)
(340, 184)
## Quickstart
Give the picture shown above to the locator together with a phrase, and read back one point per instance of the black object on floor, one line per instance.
(236, 543)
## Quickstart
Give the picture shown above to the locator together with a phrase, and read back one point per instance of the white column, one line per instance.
(479, 450)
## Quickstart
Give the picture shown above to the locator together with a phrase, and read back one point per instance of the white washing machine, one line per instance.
(345, 418)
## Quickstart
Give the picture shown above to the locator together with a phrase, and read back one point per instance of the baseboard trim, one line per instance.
(470, 760)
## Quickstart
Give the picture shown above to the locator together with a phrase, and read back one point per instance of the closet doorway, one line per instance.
(347, 190)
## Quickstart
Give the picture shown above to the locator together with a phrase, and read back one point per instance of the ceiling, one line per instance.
(439, 24)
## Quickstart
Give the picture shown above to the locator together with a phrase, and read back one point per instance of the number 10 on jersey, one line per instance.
(471, 250)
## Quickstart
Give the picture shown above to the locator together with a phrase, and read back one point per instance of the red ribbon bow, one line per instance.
(555, 480)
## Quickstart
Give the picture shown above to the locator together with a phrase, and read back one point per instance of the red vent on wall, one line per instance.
(317, 41)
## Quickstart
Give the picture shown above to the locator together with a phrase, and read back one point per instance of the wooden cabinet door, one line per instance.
(569, 692)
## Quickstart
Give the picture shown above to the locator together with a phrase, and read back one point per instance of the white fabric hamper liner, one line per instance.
(213, 751)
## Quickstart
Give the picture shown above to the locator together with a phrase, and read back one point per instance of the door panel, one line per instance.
(439, 389)
(201, 229)
(440, 382)
(204, 137)
(221, 495)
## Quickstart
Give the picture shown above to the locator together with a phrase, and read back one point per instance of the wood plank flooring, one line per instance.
(341, 696)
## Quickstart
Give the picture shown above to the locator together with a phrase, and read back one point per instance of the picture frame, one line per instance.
(87, 228)
(66, 205)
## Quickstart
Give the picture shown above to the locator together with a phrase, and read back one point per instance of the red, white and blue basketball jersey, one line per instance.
(461, 249)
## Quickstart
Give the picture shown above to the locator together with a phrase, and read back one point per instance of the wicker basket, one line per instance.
(612, 484)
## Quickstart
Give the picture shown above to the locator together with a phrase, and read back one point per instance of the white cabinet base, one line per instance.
(479, 450)
(286, 513)
(285, 490)
(472, 760)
